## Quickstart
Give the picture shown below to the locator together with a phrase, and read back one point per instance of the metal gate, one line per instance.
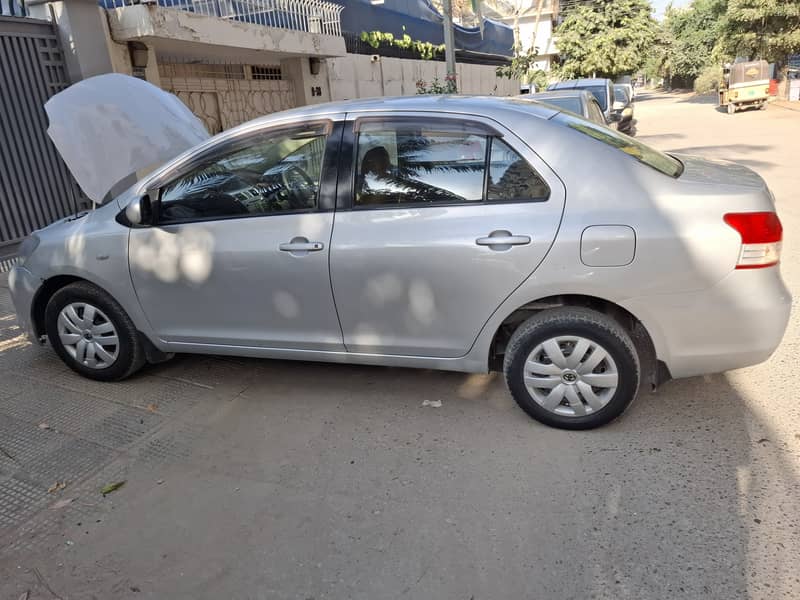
(36, 188)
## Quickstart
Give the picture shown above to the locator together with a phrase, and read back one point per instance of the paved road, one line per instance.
(256, 479)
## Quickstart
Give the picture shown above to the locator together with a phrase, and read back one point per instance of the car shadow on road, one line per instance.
(695, 478)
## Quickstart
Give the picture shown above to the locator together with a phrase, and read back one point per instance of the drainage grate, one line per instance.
(22, 442)
(68, 463)
(18, 500)
(122, 428)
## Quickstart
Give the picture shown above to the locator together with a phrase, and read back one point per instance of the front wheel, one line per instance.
(92, 333)
(572, 368)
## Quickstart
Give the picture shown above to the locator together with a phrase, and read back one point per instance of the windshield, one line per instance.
(572, 104)
(644, 154)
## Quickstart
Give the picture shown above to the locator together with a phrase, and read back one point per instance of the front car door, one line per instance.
(238, 255)
(442, 218)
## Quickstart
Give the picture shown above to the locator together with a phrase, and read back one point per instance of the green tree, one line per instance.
(690, 36)
(768, 29)
(606, 38)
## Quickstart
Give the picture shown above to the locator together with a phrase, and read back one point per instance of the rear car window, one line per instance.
(651, 157)
(403, 163)
(571, 104)
(600, 92)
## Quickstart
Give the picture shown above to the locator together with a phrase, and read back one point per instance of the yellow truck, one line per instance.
(744, 84)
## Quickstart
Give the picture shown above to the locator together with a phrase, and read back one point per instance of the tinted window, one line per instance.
(274, 174)
(511, 178)
(571, 104)
(595, 114)
(620, 95)
(404, 165)
(600, 93)
(633, 148)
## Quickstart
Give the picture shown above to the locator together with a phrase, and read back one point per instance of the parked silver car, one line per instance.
(456, 233)
(580, 102)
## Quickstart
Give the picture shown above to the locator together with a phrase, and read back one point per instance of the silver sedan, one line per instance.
(457, 233)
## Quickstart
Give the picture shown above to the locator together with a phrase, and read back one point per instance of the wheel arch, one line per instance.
(654, 371)
(49, 287)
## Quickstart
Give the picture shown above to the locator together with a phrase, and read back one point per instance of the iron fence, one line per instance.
(36, 188)
(312, 16)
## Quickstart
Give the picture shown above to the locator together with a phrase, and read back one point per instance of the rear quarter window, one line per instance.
(643, 153)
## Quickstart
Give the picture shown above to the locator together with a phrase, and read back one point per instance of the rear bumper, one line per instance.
(737, 323)
(23, 286)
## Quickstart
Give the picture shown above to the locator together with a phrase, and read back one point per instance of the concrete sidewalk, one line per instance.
(795, 106)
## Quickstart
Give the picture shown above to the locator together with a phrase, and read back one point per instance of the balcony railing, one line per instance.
(313, 16)
(12, 8)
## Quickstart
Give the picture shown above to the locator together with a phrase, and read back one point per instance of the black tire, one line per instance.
(130, 353)
(573, 321)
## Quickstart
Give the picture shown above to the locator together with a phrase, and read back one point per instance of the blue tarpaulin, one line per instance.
(424, 23)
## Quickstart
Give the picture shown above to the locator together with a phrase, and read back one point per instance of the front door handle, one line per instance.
(503, 240)
(300, 246)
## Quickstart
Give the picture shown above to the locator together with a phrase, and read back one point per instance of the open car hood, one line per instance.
(112, 127)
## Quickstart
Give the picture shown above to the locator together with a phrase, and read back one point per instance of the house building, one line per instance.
(233, 60)
(533, 22)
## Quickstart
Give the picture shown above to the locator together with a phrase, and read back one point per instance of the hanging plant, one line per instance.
(425, 50)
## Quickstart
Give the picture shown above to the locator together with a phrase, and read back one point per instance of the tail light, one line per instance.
(761, 233)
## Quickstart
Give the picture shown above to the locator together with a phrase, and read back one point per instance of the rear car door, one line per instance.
(238, 255)
(439, 219)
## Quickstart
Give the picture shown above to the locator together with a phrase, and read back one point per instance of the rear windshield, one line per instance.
(571, 104)
(620, 95)
(600, 92)
(634, 148)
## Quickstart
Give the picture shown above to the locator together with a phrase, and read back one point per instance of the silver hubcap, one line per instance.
(88, 335)
(571, 376)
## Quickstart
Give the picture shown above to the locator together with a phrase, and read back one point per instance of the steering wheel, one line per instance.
(299, 186)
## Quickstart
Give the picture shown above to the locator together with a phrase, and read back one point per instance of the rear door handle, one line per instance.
(503, 240)
(300, 245)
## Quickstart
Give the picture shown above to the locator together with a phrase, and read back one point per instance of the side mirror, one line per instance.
(140, 210)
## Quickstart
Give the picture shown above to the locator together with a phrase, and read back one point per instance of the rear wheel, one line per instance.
(92, 333)
(572, 368)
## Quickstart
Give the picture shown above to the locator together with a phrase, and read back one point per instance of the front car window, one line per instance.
(273, 173)
(418, 163)
(651, 157)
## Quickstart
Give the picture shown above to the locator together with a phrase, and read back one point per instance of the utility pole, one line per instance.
(449, 42)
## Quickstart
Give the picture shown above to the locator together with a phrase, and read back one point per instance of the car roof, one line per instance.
(490, 106)
(577, 83)
(573, 93)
